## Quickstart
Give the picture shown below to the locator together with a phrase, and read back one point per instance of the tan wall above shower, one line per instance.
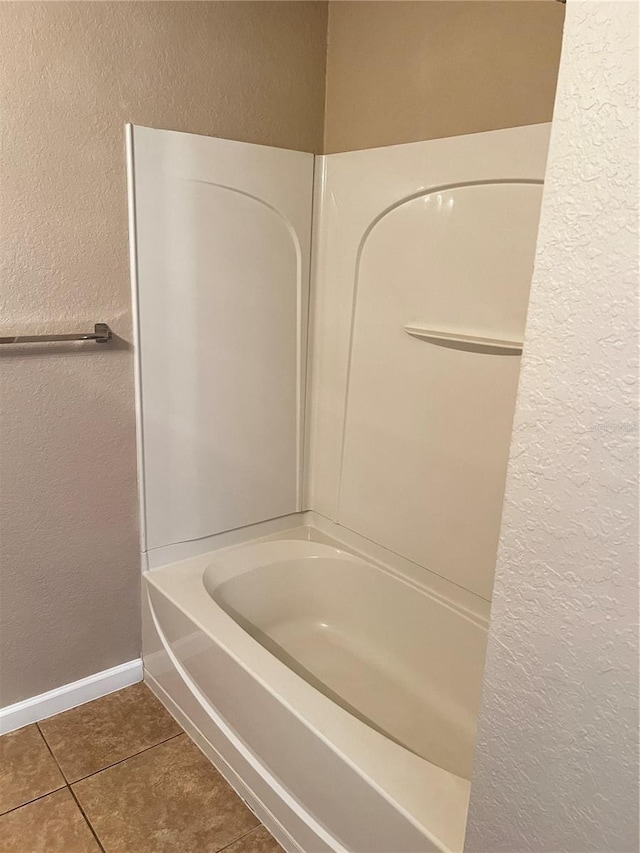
(71, 75)
(407, 71)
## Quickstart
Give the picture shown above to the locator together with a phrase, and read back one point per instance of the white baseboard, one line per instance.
(69, 696)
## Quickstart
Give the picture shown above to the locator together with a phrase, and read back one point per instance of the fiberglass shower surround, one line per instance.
(327, 362)
(397, 438)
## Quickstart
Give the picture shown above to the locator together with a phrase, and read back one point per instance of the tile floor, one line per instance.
(118, 775)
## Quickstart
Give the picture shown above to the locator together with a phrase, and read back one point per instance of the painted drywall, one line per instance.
(557, 754)
(406, 71)
(72, 75)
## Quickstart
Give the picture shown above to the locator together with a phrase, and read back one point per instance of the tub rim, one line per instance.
(443, 795)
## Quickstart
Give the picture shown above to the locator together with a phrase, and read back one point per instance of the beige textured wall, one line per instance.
(71, 75)
(405, 71)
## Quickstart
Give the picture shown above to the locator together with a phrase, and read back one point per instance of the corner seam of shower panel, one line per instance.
(317, 206)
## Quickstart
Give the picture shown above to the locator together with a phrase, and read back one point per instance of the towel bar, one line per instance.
(101, 335)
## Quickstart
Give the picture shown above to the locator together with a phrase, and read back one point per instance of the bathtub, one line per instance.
(338, 697)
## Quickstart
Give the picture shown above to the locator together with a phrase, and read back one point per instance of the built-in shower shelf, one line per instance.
(459, 341)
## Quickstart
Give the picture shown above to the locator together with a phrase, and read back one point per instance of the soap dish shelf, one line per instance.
(466, 342)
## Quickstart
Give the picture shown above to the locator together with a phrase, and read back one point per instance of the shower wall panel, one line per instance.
(222, 234)
(409, 438)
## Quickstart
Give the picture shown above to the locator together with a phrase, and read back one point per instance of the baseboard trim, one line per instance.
(69, 696)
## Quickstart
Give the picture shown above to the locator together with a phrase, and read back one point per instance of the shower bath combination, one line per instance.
(327, 362)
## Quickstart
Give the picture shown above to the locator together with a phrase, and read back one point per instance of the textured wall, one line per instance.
(405, 71)
(71, 75)
(556, 761)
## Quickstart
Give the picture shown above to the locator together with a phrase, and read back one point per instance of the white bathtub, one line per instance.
(337, 697)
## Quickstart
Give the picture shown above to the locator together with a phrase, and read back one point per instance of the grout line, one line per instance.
(64, 787)
(122, 760)
(46, 743)
(52, 754)
(34, 800)
(86, 819)
(239, 838)
(107, 766)
(68, 786)
(56, 762)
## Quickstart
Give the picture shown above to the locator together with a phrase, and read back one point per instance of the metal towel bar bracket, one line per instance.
(101, 335)
(458, 341)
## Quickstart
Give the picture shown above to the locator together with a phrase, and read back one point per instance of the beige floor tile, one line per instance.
(53, 824)
(167, 799)
(256, 841)
(27, 769)
(95, 735)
